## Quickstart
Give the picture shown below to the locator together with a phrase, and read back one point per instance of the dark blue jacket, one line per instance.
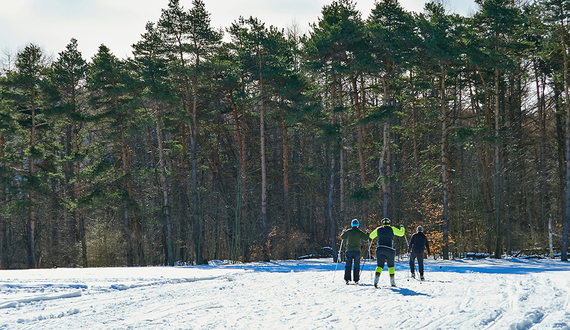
(418, 242)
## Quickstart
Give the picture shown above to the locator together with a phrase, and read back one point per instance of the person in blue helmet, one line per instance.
(385, 252)
(353, 239)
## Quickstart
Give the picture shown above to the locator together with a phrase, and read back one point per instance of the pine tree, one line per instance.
(109, 83)
(255, 37)
(558, 13)
(440, 37)
(190, 38)
(70, 71)
(30, 82)
(392, 36)
(9, 132)
(499, 18)
(152, 64)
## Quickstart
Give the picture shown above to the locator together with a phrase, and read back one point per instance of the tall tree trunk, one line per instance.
(70, 219)
(3, 222)
(32, 220)
(564, 252)
(385, 158)
(485, 158)
(363, 113)
(444, 167)
(417, 202)
(265, 234)
(166, 202)
(341, 156)
(499, 235)
(240, 219)
(560, 114)
(127, 224)
(183, 174)
(331, 181)
(542, 165)
(184, 201)
(135, 220)
(77, 213)
(286, 189)
(196, 223)
(243, 168)
(361, 150)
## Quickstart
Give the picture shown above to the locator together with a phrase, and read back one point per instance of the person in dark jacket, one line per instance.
(416, 247)
(385, 252)
(353, 239)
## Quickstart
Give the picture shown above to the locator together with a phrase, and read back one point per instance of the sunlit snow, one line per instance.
(304, 294)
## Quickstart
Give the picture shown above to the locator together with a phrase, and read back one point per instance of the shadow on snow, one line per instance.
(487, 266)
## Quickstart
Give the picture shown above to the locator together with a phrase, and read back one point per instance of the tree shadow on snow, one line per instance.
(489, 266)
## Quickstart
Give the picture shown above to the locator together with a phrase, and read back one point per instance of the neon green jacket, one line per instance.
(386, 235)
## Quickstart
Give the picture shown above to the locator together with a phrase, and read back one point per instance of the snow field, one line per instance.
(308, 294)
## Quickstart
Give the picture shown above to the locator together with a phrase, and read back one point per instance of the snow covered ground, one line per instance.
(308, 294)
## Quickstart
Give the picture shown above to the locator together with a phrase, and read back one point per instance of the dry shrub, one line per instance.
(106, 248)
(277, 246)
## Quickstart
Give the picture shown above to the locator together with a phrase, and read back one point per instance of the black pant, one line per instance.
(420, 257)
(385, 255)
(350, 257)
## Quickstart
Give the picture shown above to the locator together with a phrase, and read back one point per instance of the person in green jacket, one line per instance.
(353, 239)
(385, 252)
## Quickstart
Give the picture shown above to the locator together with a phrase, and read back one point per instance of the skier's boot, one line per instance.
(392, 281)
(413, 275)
(421, 278)
(376, 278)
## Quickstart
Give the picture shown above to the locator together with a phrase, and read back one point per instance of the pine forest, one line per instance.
(252, 143)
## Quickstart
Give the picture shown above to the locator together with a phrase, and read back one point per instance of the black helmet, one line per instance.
(385, 222)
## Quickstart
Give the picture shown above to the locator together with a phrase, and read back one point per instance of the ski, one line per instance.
(415, 278)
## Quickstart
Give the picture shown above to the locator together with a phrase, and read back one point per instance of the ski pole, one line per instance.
(407, 248)
(362, 267)
(370, 257)
(337, 259)
(364, 262)
(415, 270)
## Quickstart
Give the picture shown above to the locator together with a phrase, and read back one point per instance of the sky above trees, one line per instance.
(51, 24)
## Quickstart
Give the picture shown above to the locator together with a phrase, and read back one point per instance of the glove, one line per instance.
(367, 231)
(401, 226)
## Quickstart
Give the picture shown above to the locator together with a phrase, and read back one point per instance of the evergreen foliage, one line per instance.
(266, 144)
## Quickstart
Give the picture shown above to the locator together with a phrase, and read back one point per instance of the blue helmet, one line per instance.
(355, 223)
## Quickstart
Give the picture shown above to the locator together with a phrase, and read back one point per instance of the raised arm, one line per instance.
(399, 232)
(374, 234)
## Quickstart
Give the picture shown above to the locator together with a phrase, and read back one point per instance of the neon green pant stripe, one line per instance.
(391, 271)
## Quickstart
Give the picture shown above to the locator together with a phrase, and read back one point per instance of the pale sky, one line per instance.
(118, 24)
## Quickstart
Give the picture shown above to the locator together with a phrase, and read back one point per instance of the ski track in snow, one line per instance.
(309, 294)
